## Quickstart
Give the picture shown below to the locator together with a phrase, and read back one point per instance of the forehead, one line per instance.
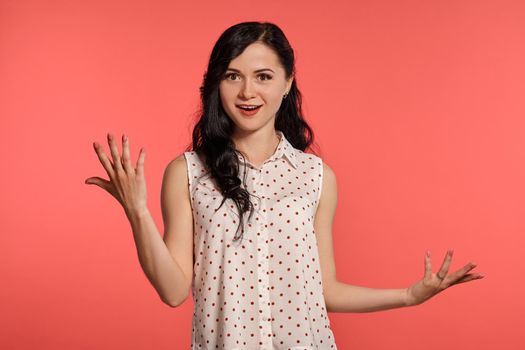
(256, 56)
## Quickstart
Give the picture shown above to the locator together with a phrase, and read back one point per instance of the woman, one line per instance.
(248, 214)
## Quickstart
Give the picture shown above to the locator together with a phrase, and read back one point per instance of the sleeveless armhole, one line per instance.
(188, 157)
(320, 186)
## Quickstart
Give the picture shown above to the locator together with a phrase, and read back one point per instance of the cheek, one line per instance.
(225, 94)
(275, 99)
(226, 100)
(273, 96)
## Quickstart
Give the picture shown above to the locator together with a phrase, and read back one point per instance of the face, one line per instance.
(255, 77)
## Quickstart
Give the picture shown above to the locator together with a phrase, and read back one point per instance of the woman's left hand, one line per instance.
(433, 283)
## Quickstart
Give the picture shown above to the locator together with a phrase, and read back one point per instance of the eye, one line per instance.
(267, 76)
(227, 76)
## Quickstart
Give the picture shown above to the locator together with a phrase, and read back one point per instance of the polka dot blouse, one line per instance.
(264, 291)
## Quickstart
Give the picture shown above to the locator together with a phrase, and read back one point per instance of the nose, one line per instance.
(247, 90)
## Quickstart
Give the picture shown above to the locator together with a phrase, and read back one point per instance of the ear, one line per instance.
(289, 83)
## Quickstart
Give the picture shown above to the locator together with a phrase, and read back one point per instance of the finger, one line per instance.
(461, 272)
(469, 277)
(114, 153)
(105, 185)
(428, 265)
(446, 263)
(100, 182)
(106, 163)
(126, 161)
(140, 163)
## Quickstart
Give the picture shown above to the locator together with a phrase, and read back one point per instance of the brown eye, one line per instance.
(266, 76)
(227, 76)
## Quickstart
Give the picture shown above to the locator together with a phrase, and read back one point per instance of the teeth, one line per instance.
(245, 107)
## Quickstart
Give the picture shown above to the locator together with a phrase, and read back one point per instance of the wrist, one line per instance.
(136, 214)
(409, 300)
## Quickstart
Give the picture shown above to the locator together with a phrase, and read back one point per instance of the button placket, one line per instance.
(263, 262)
(256, 187)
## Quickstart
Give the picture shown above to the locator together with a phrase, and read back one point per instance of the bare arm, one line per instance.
(350, 298)
(342, 297)
(167, 264)
(160, 268)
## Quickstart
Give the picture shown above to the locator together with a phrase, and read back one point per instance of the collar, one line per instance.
(284, 149)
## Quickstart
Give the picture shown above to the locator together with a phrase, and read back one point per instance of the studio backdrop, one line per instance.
(417, 107)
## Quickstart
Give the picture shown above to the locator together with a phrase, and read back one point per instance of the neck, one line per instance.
(257, 146)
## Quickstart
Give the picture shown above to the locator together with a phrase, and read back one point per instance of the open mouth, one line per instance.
(249, 107)
(249, 110)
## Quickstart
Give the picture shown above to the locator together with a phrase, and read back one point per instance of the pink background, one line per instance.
(417, 106)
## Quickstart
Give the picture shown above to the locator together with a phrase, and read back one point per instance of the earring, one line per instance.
(284, 96)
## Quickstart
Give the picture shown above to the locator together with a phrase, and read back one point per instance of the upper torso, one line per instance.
(264, 291)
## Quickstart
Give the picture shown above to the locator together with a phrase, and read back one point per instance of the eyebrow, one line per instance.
(256, 71)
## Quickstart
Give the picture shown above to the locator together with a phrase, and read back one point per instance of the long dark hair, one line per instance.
(213, 130)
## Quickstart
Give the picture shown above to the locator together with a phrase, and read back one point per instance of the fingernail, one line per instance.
(124, 138)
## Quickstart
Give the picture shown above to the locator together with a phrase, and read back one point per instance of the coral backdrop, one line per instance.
(417, 106)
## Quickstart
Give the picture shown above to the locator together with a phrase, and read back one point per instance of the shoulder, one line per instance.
(311, 158)
(176, 170)
(307, 159)
(328, 173)
(176, 164)
(184, 163)
(329, 186)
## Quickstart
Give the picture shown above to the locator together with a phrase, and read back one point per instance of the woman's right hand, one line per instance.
(126, 184)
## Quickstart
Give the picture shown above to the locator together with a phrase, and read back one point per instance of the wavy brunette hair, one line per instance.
(211, 135)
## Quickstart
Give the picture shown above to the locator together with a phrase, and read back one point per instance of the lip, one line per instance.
(247, 105)
(249, 113)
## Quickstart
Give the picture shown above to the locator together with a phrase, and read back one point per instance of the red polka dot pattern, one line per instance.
(264, 292)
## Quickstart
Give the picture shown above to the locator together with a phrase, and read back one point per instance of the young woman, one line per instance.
(248, 214)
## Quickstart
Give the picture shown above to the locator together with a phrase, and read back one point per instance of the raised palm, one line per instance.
(127, 184)
(434, 283)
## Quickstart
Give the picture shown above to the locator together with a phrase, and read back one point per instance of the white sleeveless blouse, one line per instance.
(264, 292)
